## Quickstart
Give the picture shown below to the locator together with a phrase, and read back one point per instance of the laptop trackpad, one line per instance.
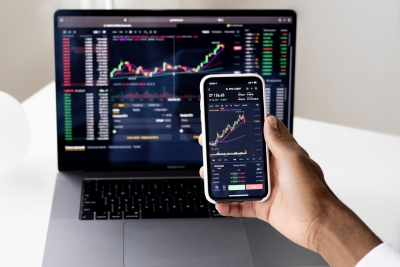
(175, 243)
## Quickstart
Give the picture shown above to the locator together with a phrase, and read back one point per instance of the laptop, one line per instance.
(128, 191)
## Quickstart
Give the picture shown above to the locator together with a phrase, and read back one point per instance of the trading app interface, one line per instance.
(128, 88)
(236, 150)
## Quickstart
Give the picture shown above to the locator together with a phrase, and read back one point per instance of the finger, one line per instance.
(201, 171)
(201, 139)
(276, 141)
(283, 130)
(244, 209)
(288, 136)
(279, 140)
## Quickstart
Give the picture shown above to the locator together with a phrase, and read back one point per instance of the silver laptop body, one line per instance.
(128, 121)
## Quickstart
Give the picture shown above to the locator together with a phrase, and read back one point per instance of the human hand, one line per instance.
(298, 189)
(301, 205)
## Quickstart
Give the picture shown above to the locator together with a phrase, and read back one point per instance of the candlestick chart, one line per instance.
(209, 64)
(221, 137)
(163, 68)
(229, 133)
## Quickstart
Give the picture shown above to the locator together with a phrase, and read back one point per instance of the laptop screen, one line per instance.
(127, 82)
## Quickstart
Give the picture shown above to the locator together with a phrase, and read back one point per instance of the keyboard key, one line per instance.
(93, 200)
(174, 208)
(130, 186)
(122, 193)
(200, 207)
(177, 193)
(132, 207)
(95, 208)
(188, 207)
(118, 208)
(112, 200)
(147, 208)
(89, 185)
(92, 194)
(101, 185)
(131, 215)
(151, 200)
(181, 186)
(144, 187)
(115, 215)
(101, 215)
(162, 193)
(177, 199)
(136, 193)
(137, 200)
(91, 189)
(116, 185)
(126, 200)
(87, 216)
(191, 199)
(161, 208)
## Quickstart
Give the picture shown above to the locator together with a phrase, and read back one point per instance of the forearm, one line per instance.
(342, 239)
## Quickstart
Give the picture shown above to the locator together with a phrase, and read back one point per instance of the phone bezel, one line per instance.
(206, 159)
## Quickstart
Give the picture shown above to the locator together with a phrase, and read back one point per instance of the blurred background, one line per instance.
(347, 64)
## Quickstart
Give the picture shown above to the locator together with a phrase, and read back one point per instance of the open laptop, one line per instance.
(128, 118)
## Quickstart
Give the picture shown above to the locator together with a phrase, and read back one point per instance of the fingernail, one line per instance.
(272, 122)
(216, 207)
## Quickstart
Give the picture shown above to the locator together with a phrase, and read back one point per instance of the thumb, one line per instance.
(276, 142)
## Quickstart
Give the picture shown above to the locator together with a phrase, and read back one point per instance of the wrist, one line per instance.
(341, 237)
(320, 225)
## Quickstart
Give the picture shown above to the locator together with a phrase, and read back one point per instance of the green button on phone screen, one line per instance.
(236, 187)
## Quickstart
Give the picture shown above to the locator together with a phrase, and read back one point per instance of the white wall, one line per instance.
(26, 43)
(348, 59)
(26, 46)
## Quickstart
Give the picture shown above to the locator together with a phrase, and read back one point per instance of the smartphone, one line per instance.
(235, 154)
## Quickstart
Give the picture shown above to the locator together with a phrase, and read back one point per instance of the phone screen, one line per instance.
(236, 150)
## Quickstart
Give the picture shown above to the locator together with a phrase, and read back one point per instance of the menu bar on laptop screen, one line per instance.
(172, 21)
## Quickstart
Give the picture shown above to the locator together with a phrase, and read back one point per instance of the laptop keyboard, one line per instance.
(145, 199)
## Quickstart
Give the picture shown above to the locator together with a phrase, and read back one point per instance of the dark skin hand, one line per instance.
(302, 207)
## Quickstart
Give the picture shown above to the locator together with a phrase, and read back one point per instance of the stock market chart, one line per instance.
(127, 92)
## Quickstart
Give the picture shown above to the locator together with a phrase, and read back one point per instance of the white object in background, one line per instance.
(14, 133)
(109, 4)
(95, 4)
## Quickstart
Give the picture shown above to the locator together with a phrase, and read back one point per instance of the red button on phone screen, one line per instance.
(254, 186)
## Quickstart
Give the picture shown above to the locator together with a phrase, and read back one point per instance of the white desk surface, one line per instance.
(361, 167)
